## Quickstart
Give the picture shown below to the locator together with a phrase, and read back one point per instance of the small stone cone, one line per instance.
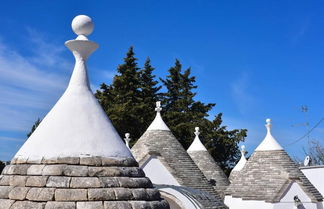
(75, 159)
(205, 162)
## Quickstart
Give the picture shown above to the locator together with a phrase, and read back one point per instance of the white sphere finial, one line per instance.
(268, 121)
(82, 25)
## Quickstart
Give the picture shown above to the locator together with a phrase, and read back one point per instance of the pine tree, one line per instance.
(221, 143)
(2, 165)
(149, 92)
(182, 113)
(122, 100)
(36, 124)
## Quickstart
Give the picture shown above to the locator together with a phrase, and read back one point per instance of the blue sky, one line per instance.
(254, 59)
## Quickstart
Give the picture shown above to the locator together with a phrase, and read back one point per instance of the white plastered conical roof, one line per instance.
(241, 163)
(76, 125)
(269, 142)
(196, 145)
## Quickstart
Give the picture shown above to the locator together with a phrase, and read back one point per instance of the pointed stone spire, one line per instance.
(196, 144)
(158, 123)
(76, 125)
(269, 142)
(127, 139)
(239, 166)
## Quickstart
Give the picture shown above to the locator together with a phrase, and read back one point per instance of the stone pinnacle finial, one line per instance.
(268, 126)
(127, 139)
(243, 151)
(82, 25)
(197, 131)
(158, 106)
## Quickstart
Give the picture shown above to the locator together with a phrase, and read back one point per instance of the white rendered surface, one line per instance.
(315, 176)
(269, 142)
(241, 163)
(158, 123)
(76, 125)
(293, 190)
(82, 25)
(238, 203)
(196, 145)
(158, 173)
(286, 202)
(186, 201)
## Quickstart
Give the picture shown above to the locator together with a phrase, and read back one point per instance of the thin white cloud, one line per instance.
(241, 94)
(2, 138)
(29, 86)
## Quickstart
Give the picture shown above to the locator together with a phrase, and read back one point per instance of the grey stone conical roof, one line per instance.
(268, 174)
(205, 162)
(159, 141)
(66, 163)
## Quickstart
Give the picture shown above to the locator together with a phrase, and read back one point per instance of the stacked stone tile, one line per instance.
(205, 162)
(89, 182)
(159, 141)
(268, 174)
(75, 158)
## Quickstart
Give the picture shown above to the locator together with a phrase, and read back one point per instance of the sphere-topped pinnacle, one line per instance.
(197, 131)
(82, 25)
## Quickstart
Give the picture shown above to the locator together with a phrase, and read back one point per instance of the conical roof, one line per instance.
(207, 164)
(159, 141)
(269, 173)
(75, 158)
(240, 164)
(76, 119)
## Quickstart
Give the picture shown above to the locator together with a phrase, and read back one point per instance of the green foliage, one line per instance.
(2, 165)
(181, 112)
(129, 102)
(149, 93)
(36, 124)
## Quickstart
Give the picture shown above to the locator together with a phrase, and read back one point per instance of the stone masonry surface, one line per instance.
(77, 183)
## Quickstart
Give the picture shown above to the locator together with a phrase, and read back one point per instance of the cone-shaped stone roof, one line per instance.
(207, 164)
(75, 158)
(268, 174)
(159, 141)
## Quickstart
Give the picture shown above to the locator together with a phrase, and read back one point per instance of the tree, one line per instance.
(2, 165)
(315, 152)
(36, 124)
(182, 113)
(149, 92)
(129, 102)
(222, 144)
(122, 100)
